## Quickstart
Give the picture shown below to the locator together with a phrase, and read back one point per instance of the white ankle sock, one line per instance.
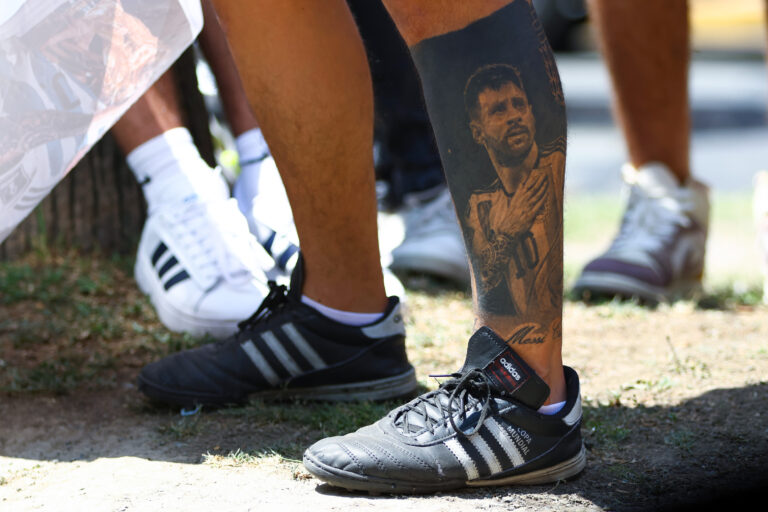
(171, 169)
(344, 317)
(251, 149)
(551, 409)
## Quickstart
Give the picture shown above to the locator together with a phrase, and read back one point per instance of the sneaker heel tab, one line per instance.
(391, 323)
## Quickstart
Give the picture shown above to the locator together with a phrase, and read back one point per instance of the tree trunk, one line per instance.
(99, 205)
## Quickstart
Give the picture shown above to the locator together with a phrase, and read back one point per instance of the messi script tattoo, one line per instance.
(496, 105)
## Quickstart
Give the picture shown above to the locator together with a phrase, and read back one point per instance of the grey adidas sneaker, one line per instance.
(481, 428)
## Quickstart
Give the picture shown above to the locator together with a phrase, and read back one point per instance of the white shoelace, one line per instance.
(215, 238)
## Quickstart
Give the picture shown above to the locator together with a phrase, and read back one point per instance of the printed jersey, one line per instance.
(521, 265)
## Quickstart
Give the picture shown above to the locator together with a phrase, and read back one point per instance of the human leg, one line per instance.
(407, 157)
(495, 101)
(645, 45)
(311, 91)
(258, 189)
(296, 74)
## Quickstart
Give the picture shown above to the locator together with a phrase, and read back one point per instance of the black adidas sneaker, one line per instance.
(289, 350)
(480, 428)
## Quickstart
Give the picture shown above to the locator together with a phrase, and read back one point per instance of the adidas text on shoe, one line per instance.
(481, 428)
(289, 350)
(658, 254)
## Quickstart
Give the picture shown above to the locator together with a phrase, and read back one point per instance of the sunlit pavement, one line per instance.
(730, 134)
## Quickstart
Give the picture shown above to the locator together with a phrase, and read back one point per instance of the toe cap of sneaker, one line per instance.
(203, 375)
(640, 272)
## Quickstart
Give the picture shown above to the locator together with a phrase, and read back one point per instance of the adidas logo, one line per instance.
(281, 354)
(511, 369)
(168, 266)
(493, 448)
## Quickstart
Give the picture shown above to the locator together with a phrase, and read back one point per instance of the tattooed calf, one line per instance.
(512, 232)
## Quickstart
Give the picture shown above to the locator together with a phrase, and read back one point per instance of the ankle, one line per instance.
(554, 376)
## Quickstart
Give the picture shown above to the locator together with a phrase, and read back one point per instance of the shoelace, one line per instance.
(651, 222)
(218, 243)
(463, 393)
(275, 301)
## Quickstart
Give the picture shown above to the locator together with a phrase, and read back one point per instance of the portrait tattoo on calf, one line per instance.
(497, 108)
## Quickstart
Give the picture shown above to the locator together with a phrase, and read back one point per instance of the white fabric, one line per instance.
(69, 69)
(251, 150)
(251, 145)
(551, 408)
(344, 317)
(172, 170)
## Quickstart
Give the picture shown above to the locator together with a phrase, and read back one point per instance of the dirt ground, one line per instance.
(676, 413)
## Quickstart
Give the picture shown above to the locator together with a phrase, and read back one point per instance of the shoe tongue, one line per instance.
(507, 373)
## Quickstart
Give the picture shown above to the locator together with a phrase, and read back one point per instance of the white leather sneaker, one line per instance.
(201, 267)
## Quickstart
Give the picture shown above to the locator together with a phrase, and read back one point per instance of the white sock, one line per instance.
(251, 149)
(343, 317)
(170, 169)
(551, 409)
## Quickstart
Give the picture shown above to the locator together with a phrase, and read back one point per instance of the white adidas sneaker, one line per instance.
(201, 267)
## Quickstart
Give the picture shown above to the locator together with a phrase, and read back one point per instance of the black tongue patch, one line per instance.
(507, 372)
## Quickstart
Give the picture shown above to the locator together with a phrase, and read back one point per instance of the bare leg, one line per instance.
(504, 153)
(494, 98)
(214, 43)
(153, 114)
(321, 138)
(645, 43)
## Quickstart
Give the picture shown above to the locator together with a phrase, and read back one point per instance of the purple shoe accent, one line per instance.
(624, 268)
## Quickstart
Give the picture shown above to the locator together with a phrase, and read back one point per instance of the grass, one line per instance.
(733, 266)
(72, 319)
(70, 322)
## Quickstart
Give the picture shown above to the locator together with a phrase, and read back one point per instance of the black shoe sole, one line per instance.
(401, 385)
(354, 482)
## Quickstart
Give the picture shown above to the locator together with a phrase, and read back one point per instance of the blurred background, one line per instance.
(729, 140)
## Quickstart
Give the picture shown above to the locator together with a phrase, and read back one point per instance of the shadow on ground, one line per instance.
(640, 458)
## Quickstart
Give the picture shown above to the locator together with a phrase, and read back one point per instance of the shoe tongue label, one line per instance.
(508, 371)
